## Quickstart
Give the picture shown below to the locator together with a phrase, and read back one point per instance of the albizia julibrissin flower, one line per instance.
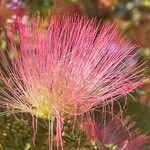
(119, 134)
(67, 68)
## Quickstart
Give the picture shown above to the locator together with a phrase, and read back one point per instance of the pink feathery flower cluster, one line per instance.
(67, 68)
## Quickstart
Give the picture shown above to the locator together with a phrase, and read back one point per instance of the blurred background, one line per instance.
(133, 20)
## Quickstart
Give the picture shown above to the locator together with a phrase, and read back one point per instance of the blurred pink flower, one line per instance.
(115, 133)
(68, 68)
(121, 134)
(18, 9)
(15, 9)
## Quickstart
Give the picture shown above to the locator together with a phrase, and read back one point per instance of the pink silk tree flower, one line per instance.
(67, 68)
(120, 134)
